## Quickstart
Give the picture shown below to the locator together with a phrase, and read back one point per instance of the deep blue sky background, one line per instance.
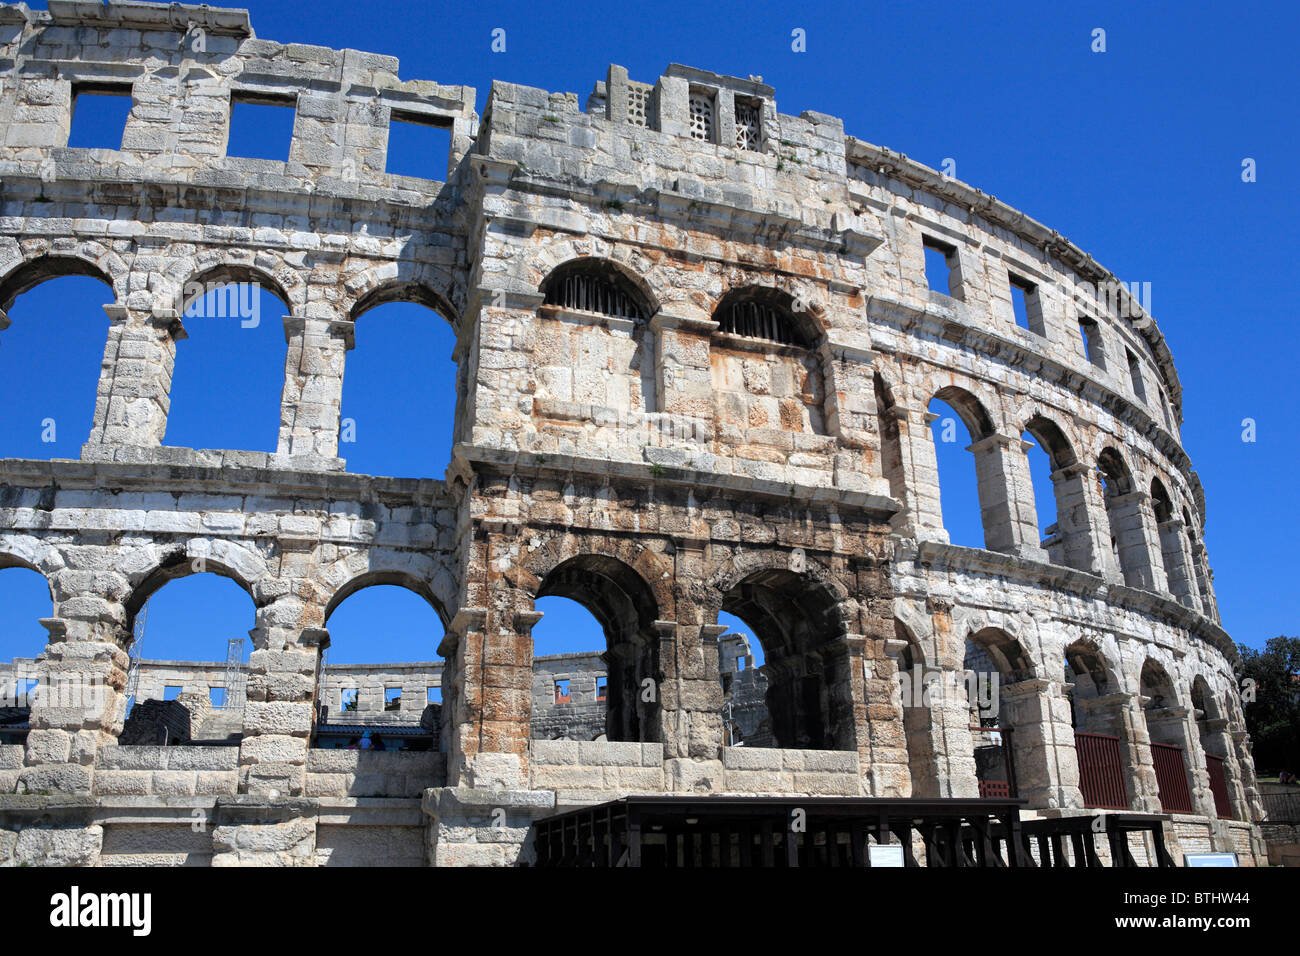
(1135, 154)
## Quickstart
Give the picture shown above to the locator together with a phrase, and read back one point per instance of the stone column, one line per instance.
(878, 719)
(1006, 494)
(313, 385)
(1134, 528)
(79, 706)
(283, 671)
(1085, 546)
(936, 721)
(1177, 562)
(921, 472)
(691, 696)
(1120, 715)
(1249, 781)
(1042, 743)
(684, 379)
(135, 384)
(852, 417)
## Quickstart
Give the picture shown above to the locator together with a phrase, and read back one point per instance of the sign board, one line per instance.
(1209, 859)
(888, 855)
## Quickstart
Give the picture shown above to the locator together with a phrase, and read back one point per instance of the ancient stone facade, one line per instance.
(696, 350)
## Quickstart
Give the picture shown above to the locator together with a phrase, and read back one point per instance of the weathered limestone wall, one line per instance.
(654, 460)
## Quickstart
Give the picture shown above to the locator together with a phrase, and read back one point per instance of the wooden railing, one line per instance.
(1101, 774)
(1171, 776)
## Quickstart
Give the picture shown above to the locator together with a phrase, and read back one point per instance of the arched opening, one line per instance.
(1171, 540)
(1200, 566)
(1123, 516)
(745, 718)
(53, 331)
(995, 661)
(1102, 744)
(958, 423)
(593, 345)
(189, 651)
(229, 370)
(625, 610)
(767, 380)
(403, 390)
(1167, 729)
(1216, 744)
(24, 599)
(380, 684)
(1059, 495)
(797, 624)
(571, 696)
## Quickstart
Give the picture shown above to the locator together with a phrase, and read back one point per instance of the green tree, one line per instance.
(1272, 677)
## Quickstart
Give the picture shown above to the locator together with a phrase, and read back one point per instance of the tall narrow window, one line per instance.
(1135, 375)
(1025, 304)
(1090, 333)
(749, 125)
(701, 116)
(940, 266)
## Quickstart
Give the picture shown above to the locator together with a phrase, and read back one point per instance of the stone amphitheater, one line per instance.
(697, 345)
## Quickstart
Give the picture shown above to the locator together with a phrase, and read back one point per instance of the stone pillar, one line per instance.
(1084, 545)
(1120, 715)
(313, 385)
(878, 722)
(1133, 526)
(1177, 561)
(133, 397)
(283, 671)
(684, 379)
(1249, 781)
(852, 417)
(79, 706)
(1006, 495)
(936, 721)
(1042, 743)
(921, 472)
(691, 696)
(1216, 739)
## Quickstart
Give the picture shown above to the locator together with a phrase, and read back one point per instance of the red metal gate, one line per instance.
(1101, 775)
(1171, 776)
(1218, 786)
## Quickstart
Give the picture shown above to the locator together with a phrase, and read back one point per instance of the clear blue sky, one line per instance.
(1135, 154)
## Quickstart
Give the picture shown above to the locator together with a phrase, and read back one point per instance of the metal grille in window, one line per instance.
(748, 133)
(638, 105)
(759, 320)
(702, 117)
(591, 293)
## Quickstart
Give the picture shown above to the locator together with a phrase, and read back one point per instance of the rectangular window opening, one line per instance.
(1024, 302)
(602, 688)
(348, 698)
(260, 127)
(433, 696)
(940, 263)
(171, 691)
(418, 146)
(749, 124)
(1090, 332)
(217, 696)
(392, 698)
(99, 117)
(1135, 373)
(562, 692)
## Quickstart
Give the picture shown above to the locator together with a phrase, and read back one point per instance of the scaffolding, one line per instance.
(137, 645)
(236, 677)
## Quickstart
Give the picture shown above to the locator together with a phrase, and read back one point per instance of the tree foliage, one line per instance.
(1273, 717)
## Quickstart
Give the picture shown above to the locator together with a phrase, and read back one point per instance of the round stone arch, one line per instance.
(90, 260)
(421, 573)
(617, 592)
(148, 569)
(405, 280)
(212, 271)
(649, 284)
(654, 569)
(803, 618)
